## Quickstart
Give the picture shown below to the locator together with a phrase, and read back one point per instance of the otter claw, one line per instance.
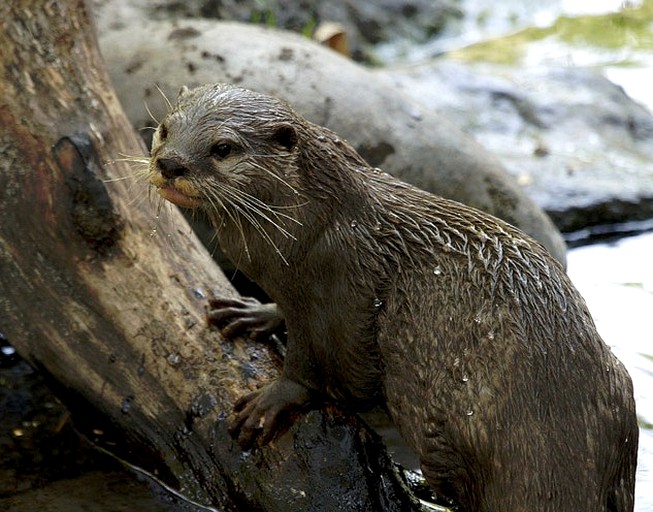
(257, 416)
(244, 426)
(235, 316)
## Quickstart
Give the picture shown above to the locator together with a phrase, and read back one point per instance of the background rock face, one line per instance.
(388, 128)
(575, 141)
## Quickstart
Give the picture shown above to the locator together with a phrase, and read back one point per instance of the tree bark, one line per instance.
(106, 296)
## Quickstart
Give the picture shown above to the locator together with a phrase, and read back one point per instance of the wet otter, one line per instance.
(486, 356)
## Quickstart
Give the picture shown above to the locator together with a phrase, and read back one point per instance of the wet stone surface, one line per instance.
(575, 142)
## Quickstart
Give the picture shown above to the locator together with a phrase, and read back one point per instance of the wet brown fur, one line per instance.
(487, 357)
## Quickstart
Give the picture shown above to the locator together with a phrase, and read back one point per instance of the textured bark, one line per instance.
(106, 297)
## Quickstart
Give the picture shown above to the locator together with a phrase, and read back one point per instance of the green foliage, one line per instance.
(265, 14)
(631, 27)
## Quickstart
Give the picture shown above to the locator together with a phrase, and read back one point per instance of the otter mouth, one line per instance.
(175, 196)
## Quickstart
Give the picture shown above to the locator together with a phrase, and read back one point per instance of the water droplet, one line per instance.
(465, 378)
(199, 293)
(354, 223)
(469, 412)
(126, 405)
(173, 359)
(437, 271)
(140, 371)
(477, 319)
(321, 138)
(377, 303)
(415, 115)
(7, 351)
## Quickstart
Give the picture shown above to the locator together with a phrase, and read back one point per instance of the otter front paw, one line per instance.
(236, 316)
(257, 416)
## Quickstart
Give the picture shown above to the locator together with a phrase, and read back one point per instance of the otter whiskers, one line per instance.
(140, 175)
(140, 164)
(217, 202)
(270, 173)
(253, 210)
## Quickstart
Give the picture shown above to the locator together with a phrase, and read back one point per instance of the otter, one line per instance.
(471, 334)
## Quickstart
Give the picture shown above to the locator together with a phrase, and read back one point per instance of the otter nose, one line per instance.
(171, 168)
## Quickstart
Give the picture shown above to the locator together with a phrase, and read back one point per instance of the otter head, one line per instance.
(260, 171)
(225, 149)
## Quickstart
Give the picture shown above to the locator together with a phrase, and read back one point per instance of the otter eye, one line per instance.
(221, 150)
(163, 132)
(286, 136)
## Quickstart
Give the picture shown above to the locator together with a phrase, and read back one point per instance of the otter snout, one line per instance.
(171, 168)
(171, 183)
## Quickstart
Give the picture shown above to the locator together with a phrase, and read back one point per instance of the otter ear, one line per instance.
(182, 91)
(285, 135)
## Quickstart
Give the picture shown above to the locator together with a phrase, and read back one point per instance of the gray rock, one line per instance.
(366, 22)
(390, 130)
(576, 142)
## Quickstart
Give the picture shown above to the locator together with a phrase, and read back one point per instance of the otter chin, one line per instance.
(483, 352)
(175, 196)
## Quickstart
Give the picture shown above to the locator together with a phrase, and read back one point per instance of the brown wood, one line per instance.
(106, 296)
